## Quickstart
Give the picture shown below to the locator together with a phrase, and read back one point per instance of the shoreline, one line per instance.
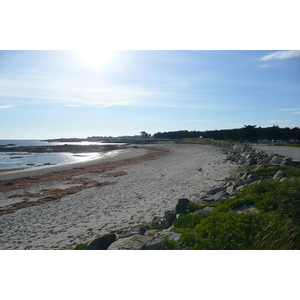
(60, 210)
(112, 156)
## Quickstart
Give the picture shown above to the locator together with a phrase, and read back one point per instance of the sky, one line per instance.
(62, 93)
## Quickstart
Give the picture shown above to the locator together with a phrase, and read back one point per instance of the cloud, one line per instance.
(289, 109)
(282, 55)
(296, 113)
(263, 66)
(7, 106)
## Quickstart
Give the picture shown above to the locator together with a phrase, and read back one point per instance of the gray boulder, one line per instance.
(102, 243)
(181, 206)
(155, 242)
(287, 162)
(230, 190)
(170, 217)
(276, 160)
(279, 175)
(135, 242)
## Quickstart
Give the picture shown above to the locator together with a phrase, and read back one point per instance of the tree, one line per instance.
(145, 135)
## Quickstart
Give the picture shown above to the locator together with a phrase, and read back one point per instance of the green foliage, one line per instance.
(288, 171)
(81, 247)
(169, 245)
(241, 231)
(192, 207)
(188, 221)
(275, 227)
(291, 145)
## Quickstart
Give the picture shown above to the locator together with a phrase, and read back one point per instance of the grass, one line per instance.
(291, 145)
(276, 226)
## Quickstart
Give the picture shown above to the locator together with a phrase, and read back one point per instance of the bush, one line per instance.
(188, 221)
(241, 231)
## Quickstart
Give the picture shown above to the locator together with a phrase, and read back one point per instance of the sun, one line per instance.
(96, 57)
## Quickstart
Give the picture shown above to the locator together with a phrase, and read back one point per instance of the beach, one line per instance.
(66, 205)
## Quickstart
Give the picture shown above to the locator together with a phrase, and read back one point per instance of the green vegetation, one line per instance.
(247, 133)
(291, 145)
(81, 247)
(288, 171)
(274, 225)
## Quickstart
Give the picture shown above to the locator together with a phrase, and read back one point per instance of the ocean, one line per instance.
(11, 160)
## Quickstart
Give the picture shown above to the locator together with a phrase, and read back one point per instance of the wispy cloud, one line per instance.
(7, 106)
(289, 109)
(282, 55)
(263, 66)
(296, 113)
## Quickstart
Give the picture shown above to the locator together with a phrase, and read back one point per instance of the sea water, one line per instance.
(11, 160)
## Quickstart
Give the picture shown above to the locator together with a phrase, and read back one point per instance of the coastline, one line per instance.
(111, 156)
(78, 205)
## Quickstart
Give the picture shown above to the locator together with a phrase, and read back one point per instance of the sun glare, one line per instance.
(95, 58)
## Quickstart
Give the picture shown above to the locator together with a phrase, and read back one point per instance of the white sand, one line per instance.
(148, 189)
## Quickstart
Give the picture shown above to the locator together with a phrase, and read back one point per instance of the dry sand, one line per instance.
(98, 201)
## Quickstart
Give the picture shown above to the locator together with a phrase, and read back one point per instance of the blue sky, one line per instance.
(51, 94)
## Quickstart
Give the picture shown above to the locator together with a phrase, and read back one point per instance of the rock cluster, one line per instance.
(143, 238)
(246, 156)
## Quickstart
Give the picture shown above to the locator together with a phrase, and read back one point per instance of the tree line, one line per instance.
(247, 133)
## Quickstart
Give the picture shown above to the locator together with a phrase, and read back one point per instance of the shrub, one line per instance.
(188, 221)
(241, 231)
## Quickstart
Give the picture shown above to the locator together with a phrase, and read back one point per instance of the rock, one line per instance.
(156, 219)
(102, 243)
(218, 197)
(135, 242)
(216, 190)
(153, 243)
(156, 241)
(247, 208)
(250, 161)
(279, 175)
(276, 160)
(285, 178)
(170, 217)
(204, 211)
(180, 207)
(143, 229)
(245, 175)
(140, 231)
(287, 162)
(230, 190)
